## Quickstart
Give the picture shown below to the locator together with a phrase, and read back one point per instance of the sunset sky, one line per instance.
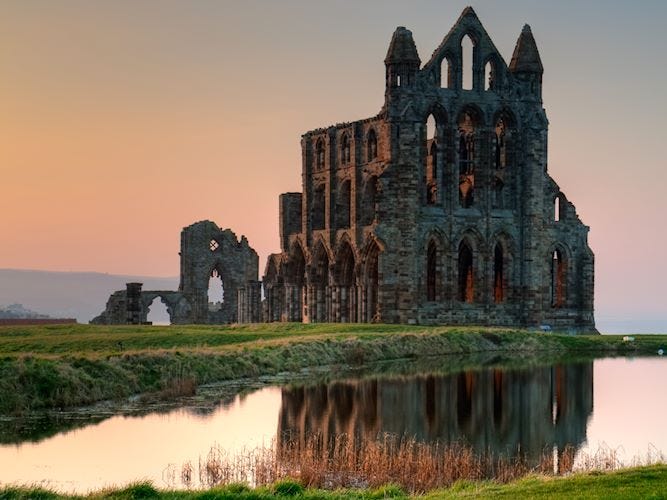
(123, 121)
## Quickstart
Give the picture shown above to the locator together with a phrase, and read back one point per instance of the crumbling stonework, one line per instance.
(459, 226)
(206, 251)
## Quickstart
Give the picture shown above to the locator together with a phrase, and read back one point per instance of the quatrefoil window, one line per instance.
(214, 245)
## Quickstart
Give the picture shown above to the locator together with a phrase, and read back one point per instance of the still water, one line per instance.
(613, 403)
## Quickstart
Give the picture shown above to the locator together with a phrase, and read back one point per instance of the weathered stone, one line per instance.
(206, 250)
(464, 227)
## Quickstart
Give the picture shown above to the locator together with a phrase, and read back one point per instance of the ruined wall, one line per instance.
(206, 251)
(454, 226)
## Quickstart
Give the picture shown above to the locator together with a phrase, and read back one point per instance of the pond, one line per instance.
(615, 404)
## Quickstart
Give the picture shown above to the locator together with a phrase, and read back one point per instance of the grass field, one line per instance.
(648, 482)
(67, 365)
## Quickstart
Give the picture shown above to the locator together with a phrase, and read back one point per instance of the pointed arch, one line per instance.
(431, 164)
(559, 207)
(295, 283)
(319, 281)
(344, 204)
(469, 120)
(467, 62)
(559, 277)
(345, 274)
(318, 207)
(447, 71)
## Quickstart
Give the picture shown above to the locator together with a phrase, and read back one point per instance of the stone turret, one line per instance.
(402, 61)
(526, 64)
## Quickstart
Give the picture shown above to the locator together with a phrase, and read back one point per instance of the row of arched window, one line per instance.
(448, 74)
(345, 150)
(342, 217)
(467, 159)
(467, 281)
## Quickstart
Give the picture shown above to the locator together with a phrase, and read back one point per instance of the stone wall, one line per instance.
(206, 250)
(456, 226)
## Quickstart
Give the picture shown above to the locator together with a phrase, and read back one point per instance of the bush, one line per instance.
(288, 488)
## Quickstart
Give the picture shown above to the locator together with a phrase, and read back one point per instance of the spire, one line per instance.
(526, 58)
(402, 48)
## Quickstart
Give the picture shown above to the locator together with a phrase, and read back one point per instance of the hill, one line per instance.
(66, 294)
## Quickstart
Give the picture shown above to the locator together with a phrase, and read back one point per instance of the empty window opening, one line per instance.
(344, 205)
(296, 279)
(431, 270)
(500, 147)
(431, 161)
(558, 279)
(321, 285)
(430, 128)
(444, 73)
(319, 154)
(345, 150)
(318, 213)
(467, 48)
(216, 291)
(213, 245)
(372, 145)
(345, 276)
(498, 275)
(158, 314)
(466, 273)
(466, 159)
(559, 208)
(489, 76)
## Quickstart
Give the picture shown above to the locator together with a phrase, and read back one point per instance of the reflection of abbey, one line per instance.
(527, 411)
(439, 209)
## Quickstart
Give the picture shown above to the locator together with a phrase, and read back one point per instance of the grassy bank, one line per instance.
(61, 366)
(641, 483)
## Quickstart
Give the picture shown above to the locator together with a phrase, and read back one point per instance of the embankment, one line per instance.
(61, 372)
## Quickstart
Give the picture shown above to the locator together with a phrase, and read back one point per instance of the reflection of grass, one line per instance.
(68, 365)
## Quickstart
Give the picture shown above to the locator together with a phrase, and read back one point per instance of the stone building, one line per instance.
(206, 251)
(458, 223)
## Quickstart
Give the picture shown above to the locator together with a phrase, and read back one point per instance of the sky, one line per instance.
(123, 121)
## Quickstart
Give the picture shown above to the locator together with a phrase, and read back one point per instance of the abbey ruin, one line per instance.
(438, 210)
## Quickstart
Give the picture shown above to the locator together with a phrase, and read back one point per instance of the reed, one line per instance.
(416, 467)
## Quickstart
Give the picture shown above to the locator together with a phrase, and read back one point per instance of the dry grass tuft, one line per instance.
(417, 467)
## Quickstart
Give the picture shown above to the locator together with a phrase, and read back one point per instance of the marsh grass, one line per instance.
(415, 467)
(68, 365)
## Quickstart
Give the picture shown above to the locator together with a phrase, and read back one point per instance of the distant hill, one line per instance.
(18, 311)
(68, 295)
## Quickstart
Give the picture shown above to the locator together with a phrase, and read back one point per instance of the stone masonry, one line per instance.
(459, 225)
(206, 251)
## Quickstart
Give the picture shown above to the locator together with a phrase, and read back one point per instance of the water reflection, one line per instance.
(497, 410)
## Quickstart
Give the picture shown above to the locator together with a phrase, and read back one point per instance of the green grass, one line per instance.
(649, 482)
(68, 365)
